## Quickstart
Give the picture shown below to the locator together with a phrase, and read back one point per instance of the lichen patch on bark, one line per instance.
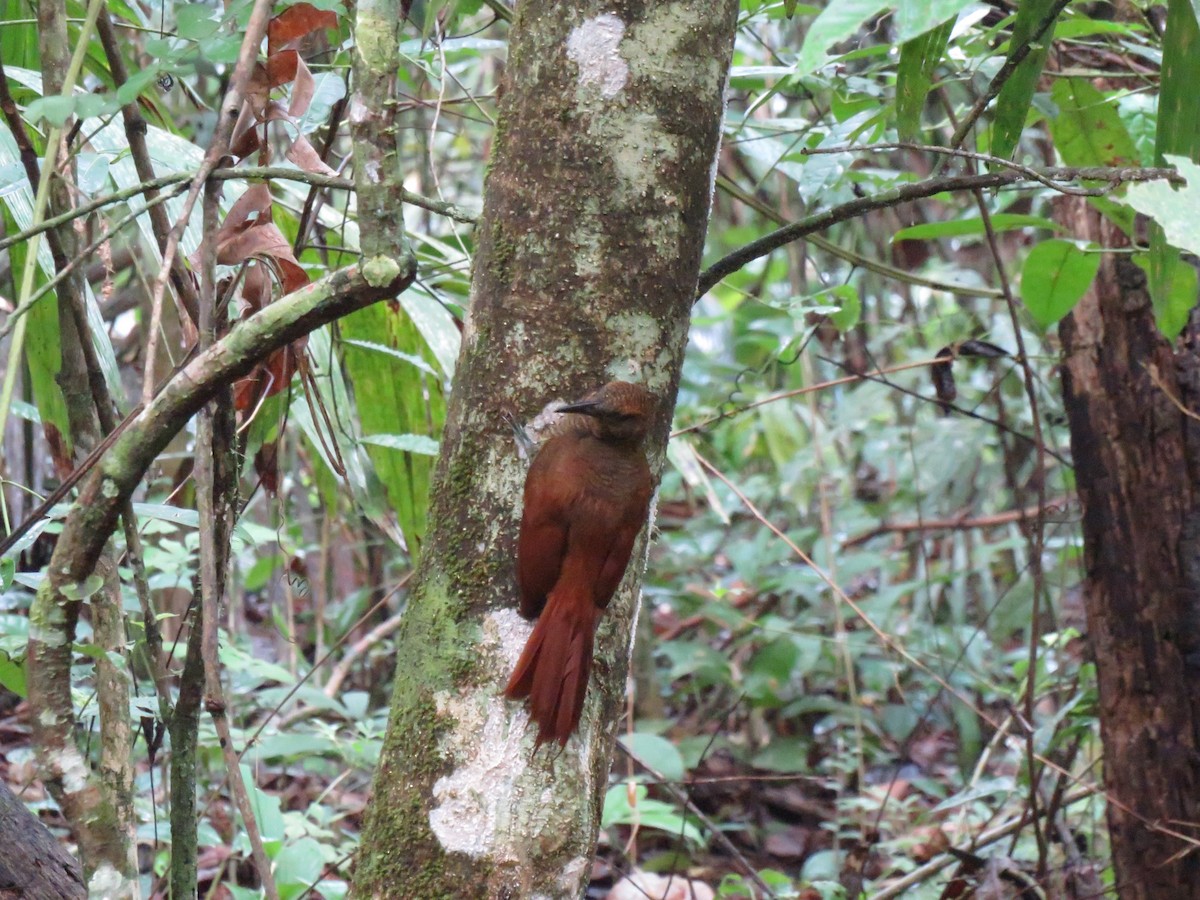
(593, 46)
(469, 801)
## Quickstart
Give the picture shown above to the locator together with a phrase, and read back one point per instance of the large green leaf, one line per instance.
(835, 23)
(1178, 133)
(1055, 276)
(395, 397)
(1012, 105)
(974, 225)
(918, 17)
(1088, 130)
(919, 58)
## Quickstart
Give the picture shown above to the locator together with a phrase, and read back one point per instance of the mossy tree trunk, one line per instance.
(595, 211)
(1137, 468)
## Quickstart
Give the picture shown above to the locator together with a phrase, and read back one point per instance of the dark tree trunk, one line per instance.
(1137, 466)
(33, 864)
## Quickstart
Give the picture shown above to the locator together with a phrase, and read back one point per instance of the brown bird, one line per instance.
(586, 498)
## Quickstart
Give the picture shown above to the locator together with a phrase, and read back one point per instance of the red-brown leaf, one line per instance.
(294, 23)
(306, 158)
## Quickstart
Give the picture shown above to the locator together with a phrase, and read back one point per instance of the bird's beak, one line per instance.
(583, 407)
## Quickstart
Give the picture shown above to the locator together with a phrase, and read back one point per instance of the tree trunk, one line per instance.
(1137, 464)
(33, 863)
(589, 249)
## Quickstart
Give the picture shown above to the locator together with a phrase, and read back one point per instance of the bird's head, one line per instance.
(619, 410)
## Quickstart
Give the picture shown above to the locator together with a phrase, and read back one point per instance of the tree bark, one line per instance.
(1137, 465)
(589, 249)
(33, 863)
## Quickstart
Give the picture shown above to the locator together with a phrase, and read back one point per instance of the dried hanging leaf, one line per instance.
(258, 88)
(306, 158)
(303, 89)
(295, 22)
(266, 465)
(256, 202)
(269, 377)
(942, 374)
(60, 454)
(245, 139)
(282, 67)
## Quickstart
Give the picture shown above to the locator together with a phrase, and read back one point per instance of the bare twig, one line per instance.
(135, 134)
(808, 389)
(1036, 533)
(718, 834)
(277, 173)
(1000, 832)
(955, 523)
(903, 194)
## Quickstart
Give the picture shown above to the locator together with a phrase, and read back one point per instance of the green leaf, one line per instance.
(138, 81)
(188, 518)
(266, 810)
(836, 22)
(646, 813)
(1178, 132)
(916, 18)
(83, 590)
(400, 407)
(656, 752)
(1179, 99)
(298, 866)
(56, 110)
(1088, 130)
(919, 59)
(195, 21)
(961, 227)
(851, 307)
(409, 443)
(1056, 274)
(409, 358)
(1175, 209)
(1180, 290)
(1012, 105)
(783, 755)
(12, 675)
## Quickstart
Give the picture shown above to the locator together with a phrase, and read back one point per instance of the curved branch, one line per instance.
(916, 190)
(120, 470)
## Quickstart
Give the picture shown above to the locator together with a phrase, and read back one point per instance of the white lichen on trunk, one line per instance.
(594, 47)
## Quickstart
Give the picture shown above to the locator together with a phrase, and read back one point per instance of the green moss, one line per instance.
(504, 249)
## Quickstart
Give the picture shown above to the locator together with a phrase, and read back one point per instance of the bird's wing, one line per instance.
(543, 538)
(625, 532)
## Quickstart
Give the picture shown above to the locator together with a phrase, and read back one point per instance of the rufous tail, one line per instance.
(554, 666)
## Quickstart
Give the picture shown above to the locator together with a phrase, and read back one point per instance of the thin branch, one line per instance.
(1036, 533)
(808, 389)
(904, 193)
(1051, 178)
(135, 136)
(280, 173)
(714, 829)
(1000, 832)
(857, 260)
(953, 523)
